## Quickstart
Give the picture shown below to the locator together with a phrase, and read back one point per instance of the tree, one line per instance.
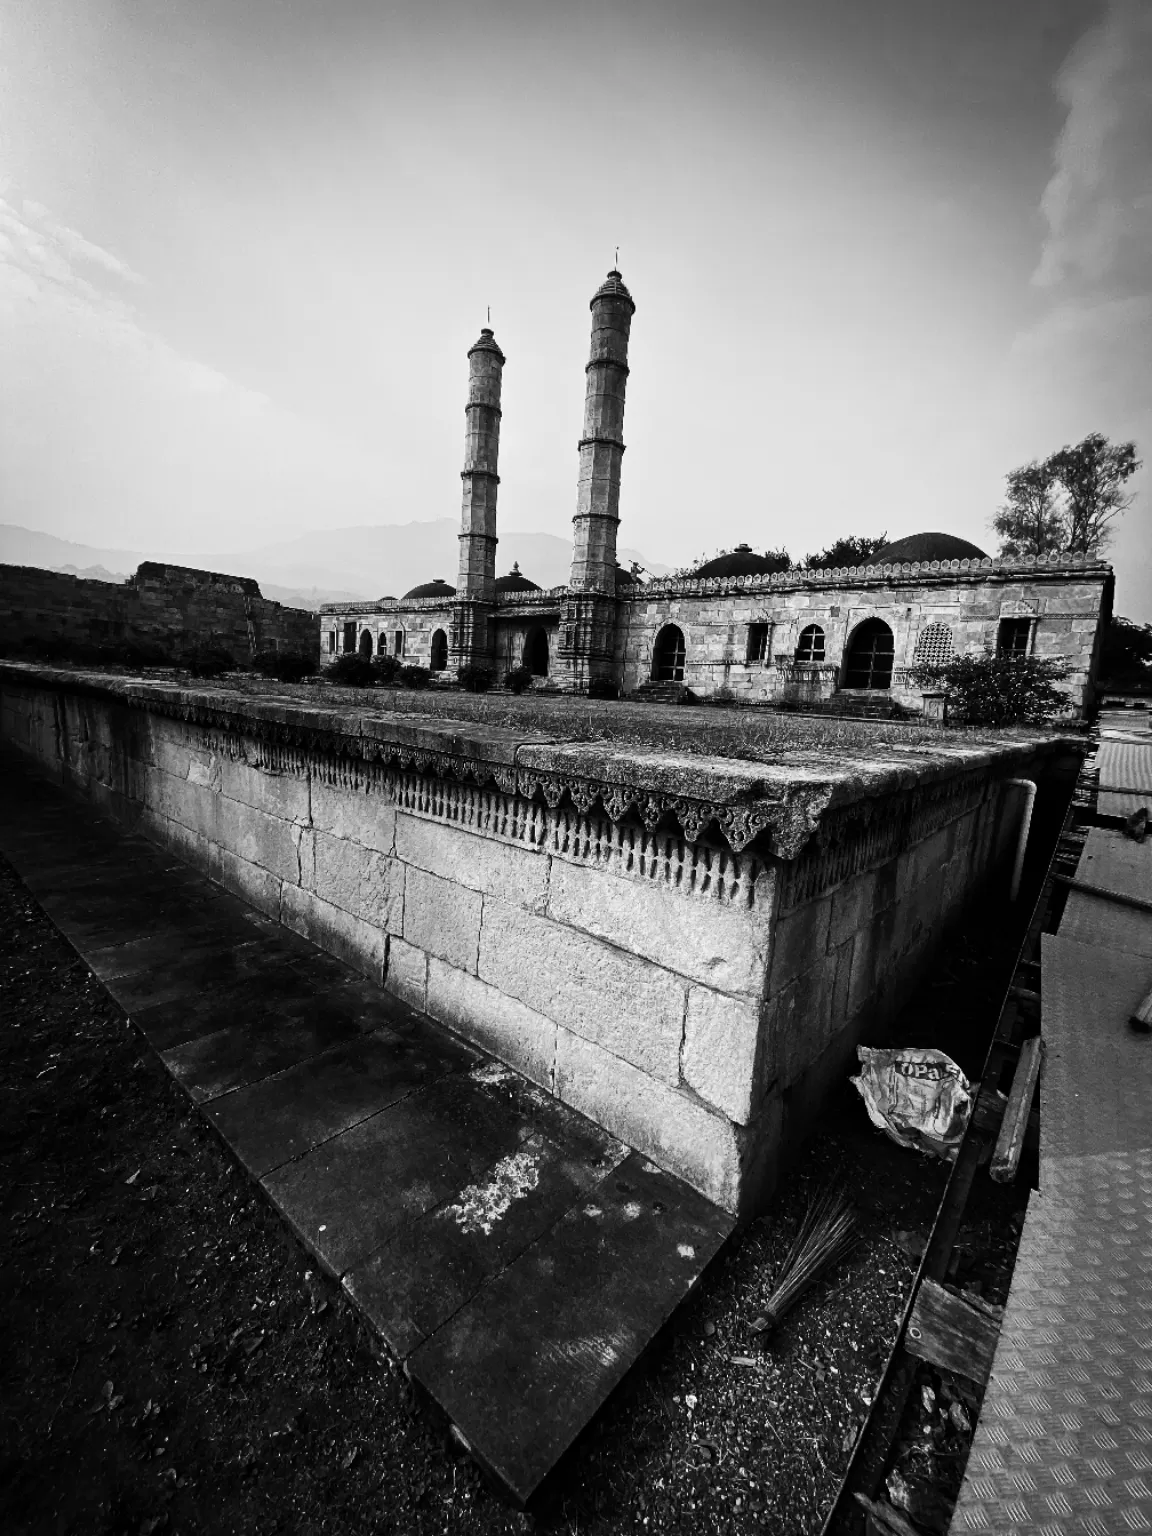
(1092, 475)
(999, 690)
(1126, 655)
(854, 550)
(1064, 503)
(1029, 522)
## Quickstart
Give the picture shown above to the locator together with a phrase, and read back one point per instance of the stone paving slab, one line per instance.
(520, 1257)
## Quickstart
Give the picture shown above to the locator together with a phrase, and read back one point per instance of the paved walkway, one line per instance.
(1064, 1442)
(516, 1257)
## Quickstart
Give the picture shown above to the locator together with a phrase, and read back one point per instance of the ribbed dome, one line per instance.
(487, 343)
(515, 582)
(742, 561)
(926, 546)
(432, 589)
(613, 288)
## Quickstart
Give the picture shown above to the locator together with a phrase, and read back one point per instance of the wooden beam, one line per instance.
(948, 1331)
(1010, 1142)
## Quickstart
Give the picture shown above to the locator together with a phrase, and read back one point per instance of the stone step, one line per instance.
(516, 1257)
(663, 693)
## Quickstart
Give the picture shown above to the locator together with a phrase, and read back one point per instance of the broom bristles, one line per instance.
(827, 1233)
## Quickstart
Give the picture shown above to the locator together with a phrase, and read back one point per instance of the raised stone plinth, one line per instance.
(685, 949)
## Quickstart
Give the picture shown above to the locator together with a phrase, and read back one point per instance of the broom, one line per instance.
(827, 1233)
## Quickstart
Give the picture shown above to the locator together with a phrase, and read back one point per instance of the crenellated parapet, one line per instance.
(916, 572)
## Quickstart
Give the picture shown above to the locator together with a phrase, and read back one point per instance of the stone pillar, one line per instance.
(588, 627)
(471, 638)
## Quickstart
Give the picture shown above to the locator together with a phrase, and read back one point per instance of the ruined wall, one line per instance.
(170, 607)
(693, 998)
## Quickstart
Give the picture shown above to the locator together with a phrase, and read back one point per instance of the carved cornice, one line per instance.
(1031, 567)
(779, 807)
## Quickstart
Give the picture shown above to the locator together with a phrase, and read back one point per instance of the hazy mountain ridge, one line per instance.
(333, 565)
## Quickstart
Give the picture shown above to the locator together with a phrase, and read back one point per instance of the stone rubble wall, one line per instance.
(163, 606)
(694, 1001)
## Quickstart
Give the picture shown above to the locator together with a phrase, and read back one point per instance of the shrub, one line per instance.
(285, 666)
(384, 669)
(999, 690)
(476, 679)
(603, 688)
(353, 670)
(414, 677)
(208, 661)
(518, 679)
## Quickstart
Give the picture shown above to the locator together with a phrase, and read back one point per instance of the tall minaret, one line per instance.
(476, 581)
(589, 624)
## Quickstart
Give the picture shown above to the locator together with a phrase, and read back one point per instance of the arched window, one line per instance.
(871, 651)
(366, 642)
(668, 656)
(933, 645)
(536, 651)
(438, 656)
(810, 646)
(399, 642)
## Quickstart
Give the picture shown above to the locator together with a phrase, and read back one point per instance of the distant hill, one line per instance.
(327, 565)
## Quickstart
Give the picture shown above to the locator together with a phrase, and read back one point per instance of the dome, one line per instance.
(926, 546)
(487, 343)
(613, 288)
(515, 582)
(432, 589)
(742, 561)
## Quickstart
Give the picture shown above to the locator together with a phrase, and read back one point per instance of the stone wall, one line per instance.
(172, 608)
(685, 950)
(1065, 601)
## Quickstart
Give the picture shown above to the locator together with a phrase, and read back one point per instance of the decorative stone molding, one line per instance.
(779, 807)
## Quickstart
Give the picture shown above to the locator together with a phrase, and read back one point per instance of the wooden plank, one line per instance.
(1010, 1142)
(950, 1332)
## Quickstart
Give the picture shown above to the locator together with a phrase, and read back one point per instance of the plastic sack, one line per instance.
(919, 1097)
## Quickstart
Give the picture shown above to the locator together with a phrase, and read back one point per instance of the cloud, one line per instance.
(1098, 203)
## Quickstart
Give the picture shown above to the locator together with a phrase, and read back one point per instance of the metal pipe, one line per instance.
(1025, 827)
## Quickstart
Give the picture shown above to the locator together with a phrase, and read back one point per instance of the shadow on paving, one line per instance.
(176, 1361)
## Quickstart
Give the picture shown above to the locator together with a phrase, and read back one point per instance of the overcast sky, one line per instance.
(881, 253)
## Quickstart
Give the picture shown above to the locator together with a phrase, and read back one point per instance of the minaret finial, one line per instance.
(616, 260)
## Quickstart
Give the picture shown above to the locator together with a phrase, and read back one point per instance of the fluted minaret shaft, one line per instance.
(602, 445)
(476, 579)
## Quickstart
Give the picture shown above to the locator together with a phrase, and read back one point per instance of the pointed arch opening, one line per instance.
(536, 651)
(870, 655)
(668, 655)
(438, 653)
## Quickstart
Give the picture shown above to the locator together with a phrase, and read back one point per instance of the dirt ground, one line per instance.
(171, 1362)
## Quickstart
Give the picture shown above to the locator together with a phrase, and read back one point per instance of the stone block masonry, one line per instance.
(167, 608)
(684, 949)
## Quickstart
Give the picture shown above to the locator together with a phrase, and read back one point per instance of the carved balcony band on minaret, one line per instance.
(471, 642)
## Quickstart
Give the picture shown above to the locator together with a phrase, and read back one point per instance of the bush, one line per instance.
(414, 677)
(998, 690)
(603, 688)
(285, 666)
(353, 671)
(518, 679)
(476, 679)
(208, 661)
(384, 669)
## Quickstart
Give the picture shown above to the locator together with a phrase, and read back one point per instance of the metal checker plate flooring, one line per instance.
(517, 1257)
(1064, 1441)
(1127, 763)
(1116, 863)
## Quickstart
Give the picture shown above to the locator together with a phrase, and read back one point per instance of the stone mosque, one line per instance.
(734, 628)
